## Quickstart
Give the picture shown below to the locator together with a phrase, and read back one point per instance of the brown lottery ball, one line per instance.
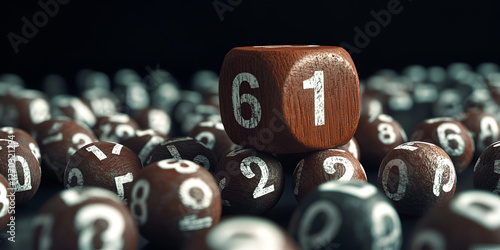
(416, 176)
(84, 218)
(59, 138)
(471, 220)
(213, 135)
(323, 166)
(115, 128)
(250, 232)
(30, 107)
(143, 142)
(185, 148)
(74, 108)
(22, 137)
(7, 199)
(376, 136)
(346, 215)
(352, 147)
(155, 119)
(483, 127)
(173, 201)
(449, 134)
(487, 169)
(311, 92)
(250, 182)
(103, 164)
(21, 168)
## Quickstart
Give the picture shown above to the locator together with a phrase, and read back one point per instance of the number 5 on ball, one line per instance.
(289, 99)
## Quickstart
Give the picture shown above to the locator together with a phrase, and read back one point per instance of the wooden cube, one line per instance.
(289, 99)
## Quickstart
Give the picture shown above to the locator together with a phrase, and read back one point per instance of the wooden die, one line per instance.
(289, 99)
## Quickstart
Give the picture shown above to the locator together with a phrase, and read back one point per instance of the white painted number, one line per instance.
(260, 190)
(120, 180)
(181, 166)
(140, 202)
(329, 167)
(438, 177)
(97, 152)
(403, 179)
(111, 237)
(489, 129)
(251, 100)
(386, 133)
(386, 227)
(15, 184)
(480, 207)
(317, 83)
(320, 238)
(75, 173)
(192, 222)
(445, 139)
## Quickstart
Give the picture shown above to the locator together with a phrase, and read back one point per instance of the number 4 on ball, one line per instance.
(289, 99)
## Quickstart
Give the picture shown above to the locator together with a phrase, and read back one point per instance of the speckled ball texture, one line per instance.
(416, 176)
(449, 134)
(471, 220)
(346, 215)
(323, 166)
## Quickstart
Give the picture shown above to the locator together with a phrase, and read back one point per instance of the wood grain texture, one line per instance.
(288, 121)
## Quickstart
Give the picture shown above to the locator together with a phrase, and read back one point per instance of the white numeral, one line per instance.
(489, 129)
(386, 227)
(260, 190)
(191, 222)
(329, 167)
(386, 133)
(444, 139)
(97, 152)
(75, 173)
(246, 98)
(111, 237)
(15, 184)
(181, 166)
(317, 82)
(403, 179)
(328, 232)
(207, 135)
(480, 207)
(438, 177)
(140, 202)
(119, 181)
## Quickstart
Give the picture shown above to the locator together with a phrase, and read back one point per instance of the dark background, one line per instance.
(184, 36)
